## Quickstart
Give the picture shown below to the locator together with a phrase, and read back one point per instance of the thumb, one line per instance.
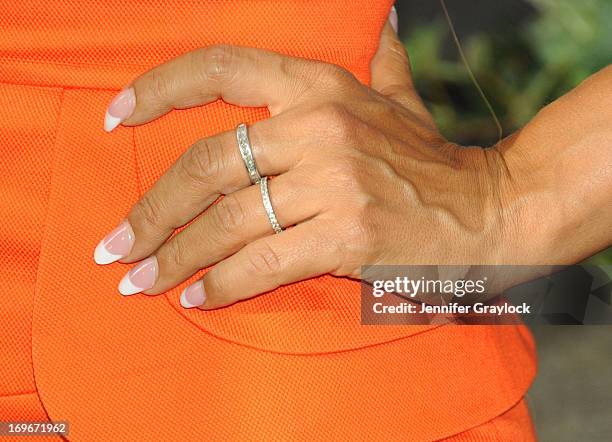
(390, 68)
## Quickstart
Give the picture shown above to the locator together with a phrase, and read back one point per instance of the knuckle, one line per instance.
(339, 122)
(177, 253)
(159, 86)
(344, 258)
(149, 212)
(214, 283)
(345, 172)
(231, 214)
(360, 226)
(330, 239)
(264, 260)
(357, 234)
(219, 62)
(336, 76)
(286, 66)
(201, 163)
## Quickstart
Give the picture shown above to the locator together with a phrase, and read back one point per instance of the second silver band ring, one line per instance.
(244, 145)
(265, 196)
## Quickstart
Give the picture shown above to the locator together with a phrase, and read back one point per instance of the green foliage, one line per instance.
(572, 37)
(520, 70)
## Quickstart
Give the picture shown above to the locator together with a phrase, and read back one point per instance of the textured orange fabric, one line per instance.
(293, 364)
(514, 425)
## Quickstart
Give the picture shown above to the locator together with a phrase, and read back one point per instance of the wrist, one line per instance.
(558, 185)
(558, 195)
(494, 203)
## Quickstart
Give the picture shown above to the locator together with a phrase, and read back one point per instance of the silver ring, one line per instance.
(265, 196)
(247, 154)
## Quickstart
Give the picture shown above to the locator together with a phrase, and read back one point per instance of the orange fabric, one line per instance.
(514, 425)
(293, 364)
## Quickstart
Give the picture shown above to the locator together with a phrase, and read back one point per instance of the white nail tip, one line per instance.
(110, 122)
(184, 301)
(103, 256)
(126, 288)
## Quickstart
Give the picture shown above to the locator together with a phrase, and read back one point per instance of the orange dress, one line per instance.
(294, 364)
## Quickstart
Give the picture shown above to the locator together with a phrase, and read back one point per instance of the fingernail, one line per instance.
(115, 245)
(140, 277)
(393, 18)
(193, 295)
(119, 109)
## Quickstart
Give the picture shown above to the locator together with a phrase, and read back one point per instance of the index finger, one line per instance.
(239, 75)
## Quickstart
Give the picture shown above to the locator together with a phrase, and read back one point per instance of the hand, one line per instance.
(362, 177)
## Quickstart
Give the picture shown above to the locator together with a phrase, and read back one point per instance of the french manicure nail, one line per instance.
(119, 109)
(193, 295)
(393, 18)
(140, 277)
(116, 245)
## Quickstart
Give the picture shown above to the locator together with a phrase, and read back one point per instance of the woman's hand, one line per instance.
(362, 176)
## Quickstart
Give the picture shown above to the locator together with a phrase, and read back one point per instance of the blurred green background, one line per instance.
(525, 54)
